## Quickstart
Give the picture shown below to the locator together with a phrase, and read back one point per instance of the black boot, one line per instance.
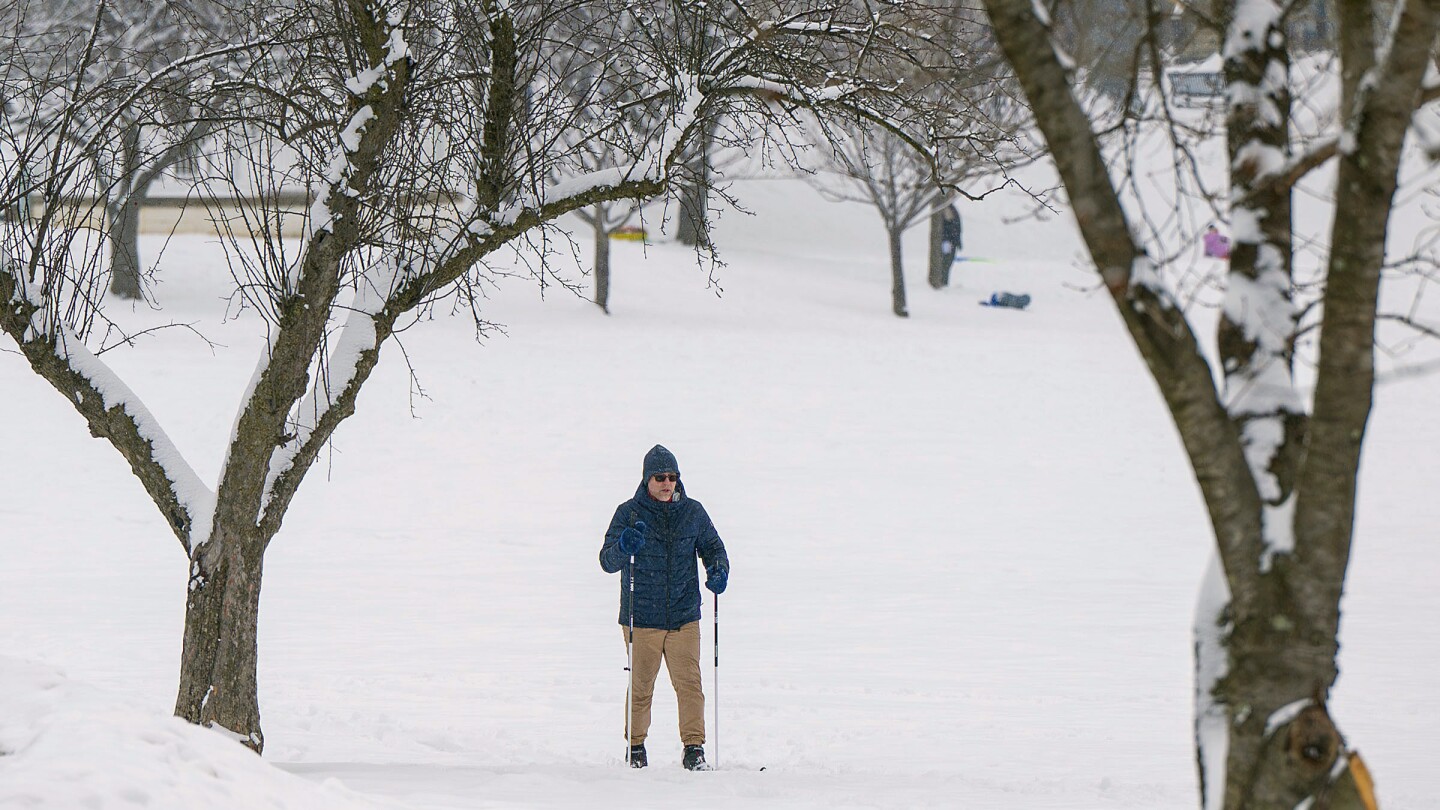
(695, 758)
(637, 756)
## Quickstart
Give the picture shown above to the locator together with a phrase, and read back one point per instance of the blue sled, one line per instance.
(1009, 300)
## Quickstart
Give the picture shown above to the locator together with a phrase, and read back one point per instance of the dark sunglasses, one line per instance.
(666, 477)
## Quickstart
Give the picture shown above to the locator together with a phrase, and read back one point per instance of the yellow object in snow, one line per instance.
(629, 233)
(1364, 784)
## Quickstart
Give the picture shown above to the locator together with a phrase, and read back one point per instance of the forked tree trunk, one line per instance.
(897, 274)
(140, 173)
(218, 685)
(1280, 659)
(1275, 660)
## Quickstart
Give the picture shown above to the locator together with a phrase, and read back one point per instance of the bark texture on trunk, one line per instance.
(125, 270)
(1301, 759)
(897, 274)
(218, 663)
(692, 227)
(123, 212)
(602, 259)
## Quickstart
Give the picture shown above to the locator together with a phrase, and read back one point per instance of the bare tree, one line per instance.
(584, 70)
(427, 141)
(150, 136)
(876, 167)
(982, 140)
(1277, 459)
(604, 219)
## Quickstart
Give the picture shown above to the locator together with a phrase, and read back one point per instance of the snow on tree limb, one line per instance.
(1211, 666)
(113, 411)
(1279, 481)
(375, 76)
(339, 377)
(186, 488)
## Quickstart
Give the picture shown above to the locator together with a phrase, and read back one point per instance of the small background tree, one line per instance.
(857, 161)
(879, 168)
(132, 145)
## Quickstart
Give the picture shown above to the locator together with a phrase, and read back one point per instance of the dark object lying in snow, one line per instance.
(1005, 299)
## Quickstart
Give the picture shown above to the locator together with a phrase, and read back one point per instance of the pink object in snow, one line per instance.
(1217, 245)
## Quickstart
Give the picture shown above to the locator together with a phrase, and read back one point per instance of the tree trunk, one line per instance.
(218, 685)
(602, 261)
(897, 274)
(123, 213)
(1263, 686)
(1275, 660)
(124, 230)
(692, 227)
(1276, 665)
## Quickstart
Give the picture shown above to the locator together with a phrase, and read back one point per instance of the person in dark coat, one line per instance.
(951, 232)
(656, 537)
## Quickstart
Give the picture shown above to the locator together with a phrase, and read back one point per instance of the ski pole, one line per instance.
(630, 671)
(715, 614)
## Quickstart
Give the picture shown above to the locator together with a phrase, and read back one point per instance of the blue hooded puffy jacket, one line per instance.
(667, 586)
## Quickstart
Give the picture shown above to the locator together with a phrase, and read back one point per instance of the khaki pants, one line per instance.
(681, 651)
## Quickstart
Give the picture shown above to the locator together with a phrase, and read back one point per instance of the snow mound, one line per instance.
(66, 745)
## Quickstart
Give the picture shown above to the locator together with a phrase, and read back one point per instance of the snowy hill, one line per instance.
(965, 548)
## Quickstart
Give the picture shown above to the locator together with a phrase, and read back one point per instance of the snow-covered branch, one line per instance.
(268, 415)
(354, 351)
(111, 409)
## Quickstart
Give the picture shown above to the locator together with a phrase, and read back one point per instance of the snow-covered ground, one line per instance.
(966, 548)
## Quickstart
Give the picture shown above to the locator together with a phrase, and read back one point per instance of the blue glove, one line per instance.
(716, 580)
(631, 539)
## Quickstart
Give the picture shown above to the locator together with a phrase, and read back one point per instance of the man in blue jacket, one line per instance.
(655, 538)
